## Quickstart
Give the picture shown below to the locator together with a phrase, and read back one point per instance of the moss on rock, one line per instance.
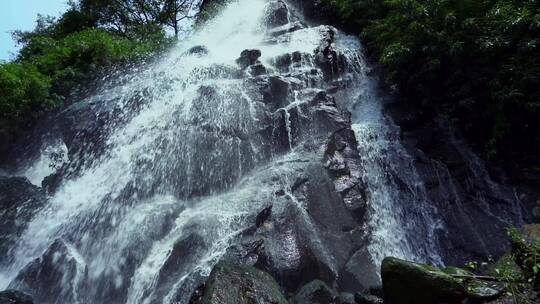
(232, 284)
(406, 282)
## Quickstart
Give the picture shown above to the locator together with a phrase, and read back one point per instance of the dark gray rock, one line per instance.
(276, 14)
(12, 296)
(343, 162)
(286, 128)
(475, 200)
(241, 285)
(346, 298)
(360, 271)
(316, 292)
(285, 62)
(248, 57)
(411, 283)
(182, 255)
(55, 277)
(282, 62)
(82, 129)
(276, 92)
(198, 50)
(20, 201)
(263, 216)
(257, 69)
(365, 298)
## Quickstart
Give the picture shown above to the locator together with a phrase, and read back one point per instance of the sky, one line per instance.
(22, 15)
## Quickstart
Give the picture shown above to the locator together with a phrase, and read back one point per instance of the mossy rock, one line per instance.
(451, 270)
(406, 282)
(232, 284)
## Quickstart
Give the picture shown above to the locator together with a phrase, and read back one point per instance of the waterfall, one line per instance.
(187, 155)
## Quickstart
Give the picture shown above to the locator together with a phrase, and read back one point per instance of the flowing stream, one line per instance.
(183, 169)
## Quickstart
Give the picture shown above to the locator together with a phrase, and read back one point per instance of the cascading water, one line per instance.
(404, 221)
(188, 157)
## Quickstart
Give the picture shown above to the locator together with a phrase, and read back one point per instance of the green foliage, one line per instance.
(74, 58)
(358, 13)
(24, 90)
(527, 255)
(60, 54)
(475, 61)
(518, 270)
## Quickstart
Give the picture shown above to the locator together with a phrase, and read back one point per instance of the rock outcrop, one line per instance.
(19, 202)
(315, 292)
(240, 285)
(406, 282)
(55, 277)
(11, 296)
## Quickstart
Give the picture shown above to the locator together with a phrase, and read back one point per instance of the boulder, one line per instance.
(360, 271)
(326, 59)
(276, 14)
(346, 298)
(19, 202)
(276, 92)
(263, 216)
(284, 62)
(248, 57)
(198, 50)
(257, 69)
(57, 276)
(184, 252)
(406, 282)
(12, 296)
(81, 125)
(285, 132)
(316, 292)
(230, 283)
(365, 298)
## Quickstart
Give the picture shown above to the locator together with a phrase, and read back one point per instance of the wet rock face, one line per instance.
(342, 161)
(475, 199)
(325, 200)
(55, 277)
(11, 296)
(316, 292)
(407, 283)
(248, 57)
(19, 202)
(241, 284)
(277, 14)
(362, 298)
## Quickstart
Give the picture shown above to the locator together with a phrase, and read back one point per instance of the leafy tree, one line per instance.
(60, 54)
(176, 11)
(474, 61)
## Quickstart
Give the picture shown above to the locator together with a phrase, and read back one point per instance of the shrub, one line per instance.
(474, 61)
